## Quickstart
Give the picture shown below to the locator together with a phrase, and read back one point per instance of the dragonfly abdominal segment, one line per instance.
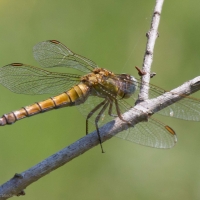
(76, 95)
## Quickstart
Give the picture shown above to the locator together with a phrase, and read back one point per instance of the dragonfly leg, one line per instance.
(110, 109)
(96, 122)
(119, 113)
(103, 103)
(92, 112)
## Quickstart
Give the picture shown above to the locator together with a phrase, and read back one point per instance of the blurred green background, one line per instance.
(112, 33)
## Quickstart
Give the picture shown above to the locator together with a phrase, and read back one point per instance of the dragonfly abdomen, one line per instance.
(75, 96)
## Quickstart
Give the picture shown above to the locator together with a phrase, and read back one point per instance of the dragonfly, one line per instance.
(99, 94)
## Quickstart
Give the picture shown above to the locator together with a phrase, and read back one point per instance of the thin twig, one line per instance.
(148, 56)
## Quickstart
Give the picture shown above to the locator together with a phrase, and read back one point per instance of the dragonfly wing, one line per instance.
(25, 79)
(152, 133)
(188, 108)
(52, 53)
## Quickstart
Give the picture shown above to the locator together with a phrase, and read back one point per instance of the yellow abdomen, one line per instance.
(75, 96)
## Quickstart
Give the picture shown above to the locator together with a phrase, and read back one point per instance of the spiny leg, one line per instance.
(119, 113)
(96, 122)
(92, 112)
(103, 103)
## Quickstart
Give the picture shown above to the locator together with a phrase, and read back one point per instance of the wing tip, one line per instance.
(16, 64)
(169, 129)
(54, 41)
(172, 132)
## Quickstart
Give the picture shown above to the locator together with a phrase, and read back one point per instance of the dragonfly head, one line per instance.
(128, 85)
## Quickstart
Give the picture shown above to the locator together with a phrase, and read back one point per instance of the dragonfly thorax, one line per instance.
(104, 83)
(101, 82)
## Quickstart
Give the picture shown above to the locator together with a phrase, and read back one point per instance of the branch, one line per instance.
(20, 181)
(148, 56)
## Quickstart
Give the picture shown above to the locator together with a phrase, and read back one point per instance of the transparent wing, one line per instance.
(152, 133)
(25, 79)
(187, 108)
(52, 53)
